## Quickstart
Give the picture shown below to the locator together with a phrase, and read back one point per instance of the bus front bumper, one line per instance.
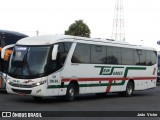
(34, 91)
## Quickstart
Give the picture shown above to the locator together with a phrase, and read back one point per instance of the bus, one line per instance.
(7, 38)
(61, 65)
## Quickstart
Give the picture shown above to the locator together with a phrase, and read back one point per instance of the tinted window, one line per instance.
(98, 54)
(113, 55)
(7, 39)
(81, 54)
(127, 56)
(151, 57)
(63, 50)
(140, 57)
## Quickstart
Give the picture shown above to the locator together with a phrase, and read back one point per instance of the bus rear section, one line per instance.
(68, 66)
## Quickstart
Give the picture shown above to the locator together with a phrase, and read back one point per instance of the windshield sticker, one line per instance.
(21, 48)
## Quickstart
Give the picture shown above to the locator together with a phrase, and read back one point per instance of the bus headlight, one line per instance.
(8, 81)
(39, 83)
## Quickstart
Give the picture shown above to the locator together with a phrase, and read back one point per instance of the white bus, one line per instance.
(63, 65)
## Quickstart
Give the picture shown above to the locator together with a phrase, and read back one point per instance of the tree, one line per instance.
(79, 28)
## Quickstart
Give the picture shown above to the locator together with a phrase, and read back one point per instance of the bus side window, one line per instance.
(114, 55)
(151, 57)
(82, 53)
(63, 50)
(140, 57)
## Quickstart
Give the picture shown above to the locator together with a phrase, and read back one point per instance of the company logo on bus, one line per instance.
(108, 70)
(28, 81)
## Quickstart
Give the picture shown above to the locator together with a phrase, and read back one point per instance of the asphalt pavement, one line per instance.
(147, 100)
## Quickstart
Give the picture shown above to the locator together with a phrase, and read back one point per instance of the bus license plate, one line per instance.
(21, 94)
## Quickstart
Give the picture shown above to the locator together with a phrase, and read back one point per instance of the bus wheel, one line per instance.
(70, 95)
(129, 90)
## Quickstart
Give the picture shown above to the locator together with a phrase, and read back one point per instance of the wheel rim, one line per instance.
(129, 89)
(71, 92)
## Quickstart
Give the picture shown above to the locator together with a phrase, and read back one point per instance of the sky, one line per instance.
(141, 18)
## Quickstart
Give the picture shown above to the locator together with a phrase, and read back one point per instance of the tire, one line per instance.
(129, 90)
(70, 94)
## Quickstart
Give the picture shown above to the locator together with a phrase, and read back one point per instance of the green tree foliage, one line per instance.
(78, 28)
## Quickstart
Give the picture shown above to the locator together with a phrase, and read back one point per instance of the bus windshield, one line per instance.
(28, 62)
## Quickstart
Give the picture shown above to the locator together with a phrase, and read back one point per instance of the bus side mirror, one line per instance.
(54, 52)
(4, 48)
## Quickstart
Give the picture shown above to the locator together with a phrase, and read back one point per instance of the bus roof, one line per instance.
(44, 39)
(10, 37)
(12, 33)
(51, 39)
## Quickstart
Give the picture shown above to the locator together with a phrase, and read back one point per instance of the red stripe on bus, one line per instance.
(109, 87)
(106, 79)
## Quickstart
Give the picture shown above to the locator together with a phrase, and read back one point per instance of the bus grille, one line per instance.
(22, 86)
(22, 91)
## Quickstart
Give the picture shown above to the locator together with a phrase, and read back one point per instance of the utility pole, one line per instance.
(118, 22)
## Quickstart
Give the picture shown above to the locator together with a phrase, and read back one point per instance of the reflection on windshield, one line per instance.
(28, 61)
